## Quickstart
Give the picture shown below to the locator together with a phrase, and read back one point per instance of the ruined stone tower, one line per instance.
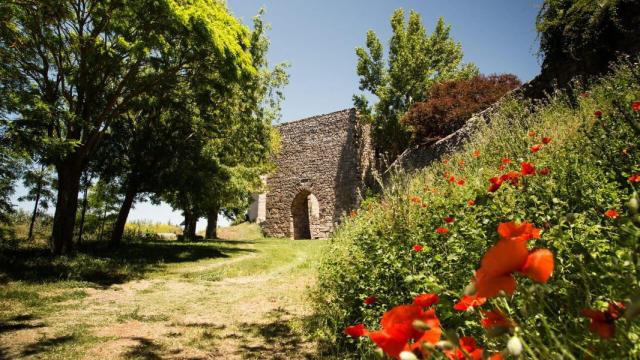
(322, 167)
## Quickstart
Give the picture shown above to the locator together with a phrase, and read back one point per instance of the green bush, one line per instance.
(596, 258)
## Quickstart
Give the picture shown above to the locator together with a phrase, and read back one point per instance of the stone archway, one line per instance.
(305, 215)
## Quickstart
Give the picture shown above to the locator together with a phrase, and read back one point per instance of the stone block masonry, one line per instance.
(322, 168)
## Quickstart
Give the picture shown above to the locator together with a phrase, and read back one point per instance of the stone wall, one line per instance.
(321, 170)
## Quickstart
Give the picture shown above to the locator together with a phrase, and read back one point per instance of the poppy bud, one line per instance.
(379, 353)
(633, 310)
(470, 289)
(444, 345)
(408, 355)
(420, 325)
(514, 346)
(428, 347)
(634, 203)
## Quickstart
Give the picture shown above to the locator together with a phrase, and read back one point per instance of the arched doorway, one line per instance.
(305, 213)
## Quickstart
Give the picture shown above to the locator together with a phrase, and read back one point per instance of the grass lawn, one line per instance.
(240, 297)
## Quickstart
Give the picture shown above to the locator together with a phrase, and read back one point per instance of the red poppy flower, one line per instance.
(424, 205)
(469, 301)
(476, 153)
(603, 322)
(442, 230)
(418, 247)
(471, 203)
(506, 161)
(354, 213)
(415, 199)
(445, 174)
(461, 182)
(370, 300)
(452, 179)
(523, 231)
(612, 214)
(398, 329)
(544, 171)
(494, 319)
(510, 255)
(445, 161)
(635, 105)
(496, 182)
(584, 94)
(532, 133)
(535, 148)
(539, 265)
(513, 177)
(546, 140)
(471, 348)
(426, 300)
(501, 168)
(597, 114)
(496, 356)
(461, 162)
(356, 330)
(527, 168)
(449, 219)
(634, 178)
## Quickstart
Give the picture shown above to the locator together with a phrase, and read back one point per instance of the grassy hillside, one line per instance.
(582, 170)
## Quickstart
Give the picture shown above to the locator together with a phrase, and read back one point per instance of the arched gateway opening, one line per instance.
(305, 212)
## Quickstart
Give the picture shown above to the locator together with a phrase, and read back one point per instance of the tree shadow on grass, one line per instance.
(102, 265)
(278, 339)
(144, 349)
(19, 322)
(45, 344)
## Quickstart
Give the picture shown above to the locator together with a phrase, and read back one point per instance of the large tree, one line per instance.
(255, 105)
(416, 61)
(239, 143)
(72, 68)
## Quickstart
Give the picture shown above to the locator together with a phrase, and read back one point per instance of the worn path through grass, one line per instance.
(249, 302)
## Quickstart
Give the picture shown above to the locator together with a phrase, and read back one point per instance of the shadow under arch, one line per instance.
(305, 216)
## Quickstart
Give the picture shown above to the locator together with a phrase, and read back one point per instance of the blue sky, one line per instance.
(318, 39)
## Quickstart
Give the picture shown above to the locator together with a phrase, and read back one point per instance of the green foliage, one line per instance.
(239, 141)
(596, 258)
(10, 169)
(416, 61)
(39, 182)
(72, 71)
(581, 37)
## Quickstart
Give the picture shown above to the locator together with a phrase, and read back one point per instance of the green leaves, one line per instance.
(596, 257)
(416, 61)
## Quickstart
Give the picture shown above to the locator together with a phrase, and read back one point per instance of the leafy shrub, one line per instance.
(450, 104)
(581, 37)
(591, 153)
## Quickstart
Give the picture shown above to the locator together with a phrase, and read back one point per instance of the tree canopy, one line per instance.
(73, 70)
(416, 61)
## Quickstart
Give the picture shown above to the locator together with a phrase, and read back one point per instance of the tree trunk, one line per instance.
(123, 214)
(64, 220)
(83, 213)
(33, 216)
(212, 224)
(190, 222)
(102, 222)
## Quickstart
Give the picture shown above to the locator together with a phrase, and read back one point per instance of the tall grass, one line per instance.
(596, 258)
